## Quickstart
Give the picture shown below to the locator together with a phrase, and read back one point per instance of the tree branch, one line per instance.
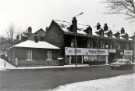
(126, 7)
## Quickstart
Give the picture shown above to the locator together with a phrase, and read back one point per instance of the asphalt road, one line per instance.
(41, 79)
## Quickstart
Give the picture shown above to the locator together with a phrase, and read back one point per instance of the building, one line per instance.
(31, 53)
(76, 43)
(31, 49)
(80, 44)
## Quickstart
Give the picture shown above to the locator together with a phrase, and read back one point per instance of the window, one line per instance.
(29, 55)
(49, 55)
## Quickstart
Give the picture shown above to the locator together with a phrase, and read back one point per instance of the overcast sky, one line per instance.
(39, 13)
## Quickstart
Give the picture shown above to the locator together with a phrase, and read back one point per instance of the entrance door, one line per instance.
(111, 57)
(29, 55)
(49, 55)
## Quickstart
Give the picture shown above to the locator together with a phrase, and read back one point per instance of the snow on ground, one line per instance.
(119, 83)
(5, 65)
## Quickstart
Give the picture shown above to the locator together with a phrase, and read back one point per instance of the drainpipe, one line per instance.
(134, 48)
(107, 55)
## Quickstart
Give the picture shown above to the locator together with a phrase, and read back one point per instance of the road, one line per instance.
(41, 79)
(118, 83)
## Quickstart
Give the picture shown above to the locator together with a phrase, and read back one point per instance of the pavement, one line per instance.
(50, 67)
(4, 65)
(7, 66)
(58, 67)
(53, 67)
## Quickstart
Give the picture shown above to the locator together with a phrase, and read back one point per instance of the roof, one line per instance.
(64, 25)
(40, 30)
(33, 44)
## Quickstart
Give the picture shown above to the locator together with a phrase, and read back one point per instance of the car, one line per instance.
(121, 64)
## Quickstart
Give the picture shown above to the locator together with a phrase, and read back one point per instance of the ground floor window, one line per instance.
(97, 58)
(128, 57)
(29, 55)
(49, 55)
(89, 59)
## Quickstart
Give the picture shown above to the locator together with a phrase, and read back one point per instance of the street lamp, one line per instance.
(74, 22)
(81, 13)
(74, 29)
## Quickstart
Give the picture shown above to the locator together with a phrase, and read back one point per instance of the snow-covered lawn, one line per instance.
(119, 83)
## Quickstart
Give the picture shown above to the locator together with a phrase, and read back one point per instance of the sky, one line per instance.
(39, 13)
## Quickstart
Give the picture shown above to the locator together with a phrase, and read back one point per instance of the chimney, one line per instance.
(29, 29)
(88, 30)
(74, 23)
(36, 38)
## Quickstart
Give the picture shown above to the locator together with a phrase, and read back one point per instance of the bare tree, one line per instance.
(10, 34)
(125, 7)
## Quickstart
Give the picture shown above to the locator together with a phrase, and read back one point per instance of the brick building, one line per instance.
(32, 50)
(84, 44)
(76, 43)
(32, 53)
